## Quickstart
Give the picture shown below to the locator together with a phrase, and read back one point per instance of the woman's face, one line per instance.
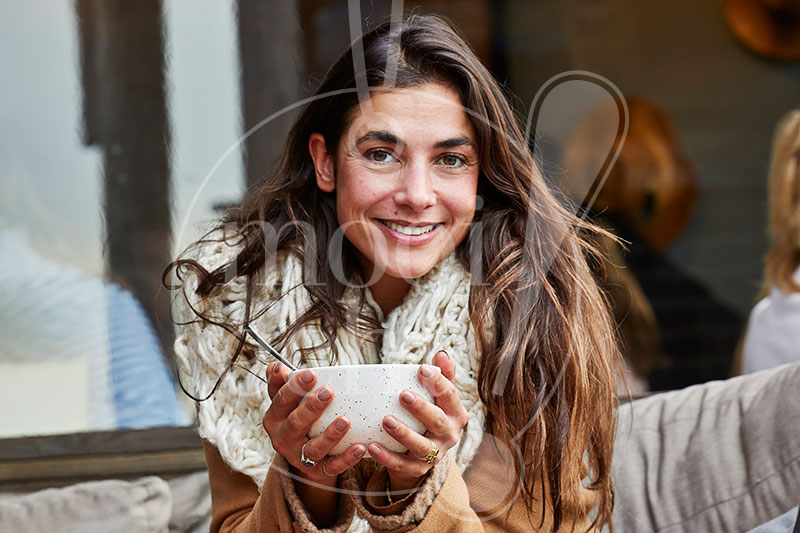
(406, 176)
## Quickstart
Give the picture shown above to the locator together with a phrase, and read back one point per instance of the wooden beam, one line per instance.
(32, 463)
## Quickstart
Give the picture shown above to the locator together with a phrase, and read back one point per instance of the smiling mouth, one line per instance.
(409, 230)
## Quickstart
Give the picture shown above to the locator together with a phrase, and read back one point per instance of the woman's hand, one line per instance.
(290, 416)
(443, 420)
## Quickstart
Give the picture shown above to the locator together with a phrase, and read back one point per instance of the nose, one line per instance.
(415, 189)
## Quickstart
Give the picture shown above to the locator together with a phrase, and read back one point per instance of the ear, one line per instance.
(323, 162)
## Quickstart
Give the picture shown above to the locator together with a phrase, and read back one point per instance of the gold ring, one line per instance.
(324, 463)
(432, 455)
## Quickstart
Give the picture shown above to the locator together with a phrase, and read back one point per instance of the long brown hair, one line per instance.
(783, 256)
(550, 371)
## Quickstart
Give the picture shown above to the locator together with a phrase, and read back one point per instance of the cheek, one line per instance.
(463, 205)
(469, 206)
(356, 202)
(462, 209)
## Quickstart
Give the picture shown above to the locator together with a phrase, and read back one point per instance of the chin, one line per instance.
(413, 270)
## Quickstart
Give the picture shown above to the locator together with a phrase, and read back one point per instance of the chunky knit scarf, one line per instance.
(434, 316)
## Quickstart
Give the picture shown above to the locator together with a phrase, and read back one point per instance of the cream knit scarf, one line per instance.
(434, 316)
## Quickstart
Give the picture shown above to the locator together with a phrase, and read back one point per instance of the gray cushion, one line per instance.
(98, 506)
(722, 456)
(191, 503)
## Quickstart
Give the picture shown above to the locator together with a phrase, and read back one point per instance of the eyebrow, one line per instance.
(382, 136)
(385, 136)
(452, 143)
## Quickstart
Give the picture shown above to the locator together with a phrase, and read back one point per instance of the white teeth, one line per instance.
(409, 230)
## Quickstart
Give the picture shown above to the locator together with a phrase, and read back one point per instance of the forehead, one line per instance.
(427, 113)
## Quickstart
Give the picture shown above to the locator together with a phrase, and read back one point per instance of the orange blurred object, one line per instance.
(770, 28)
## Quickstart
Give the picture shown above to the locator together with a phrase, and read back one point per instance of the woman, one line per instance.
(773, 331)
(400, 223)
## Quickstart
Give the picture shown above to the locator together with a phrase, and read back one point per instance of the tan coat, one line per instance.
(476, 502)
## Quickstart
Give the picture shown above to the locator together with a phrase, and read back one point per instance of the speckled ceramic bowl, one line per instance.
(365, 394)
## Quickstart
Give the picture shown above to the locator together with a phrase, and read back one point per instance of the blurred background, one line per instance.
(123, 134)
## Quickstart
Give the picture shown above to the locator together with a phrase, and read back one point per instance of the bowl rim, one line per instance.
(366, 366)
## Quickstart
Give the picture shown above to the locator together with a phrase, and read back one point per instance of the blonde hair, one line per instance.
(783, 256)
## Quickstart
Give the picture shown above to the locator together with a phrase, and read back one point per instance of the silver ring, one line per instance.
(305, 461)
(325, 462)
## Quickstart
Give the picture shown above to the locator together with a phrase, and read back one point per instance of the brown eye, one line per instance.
(452, 160)
(379, 156)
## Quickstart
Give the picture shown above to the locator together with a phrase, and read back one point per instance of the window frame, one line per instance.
(33, 463)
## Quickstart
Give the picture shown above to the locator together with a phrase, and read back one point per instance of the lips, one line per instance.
(409, 229)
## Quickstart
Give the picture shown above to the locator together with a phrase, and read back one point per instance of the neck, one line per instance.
(389, 292)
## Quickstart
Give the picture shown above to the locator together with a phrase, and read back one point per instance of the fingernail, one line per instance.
(340, 425)
(391, 422)
(358, 452)
(276, 367)
(307, 376)
(445, 354)
(407, 397)
(427, 371)
(324, 394)
(375, 450)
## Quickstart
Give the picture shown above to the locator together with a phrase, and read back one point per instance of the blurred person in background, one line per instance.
(773, 332)
(673, 331)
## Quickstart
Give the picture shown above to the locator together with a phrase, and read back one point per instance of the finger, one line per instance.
(444, 392)
(404, 466)
(428, 374)
(299, 421)
(290, 394)
(417, 445)
(446, 365)
(337, 464)
(319, 446)
(433, 417)
(277, 375)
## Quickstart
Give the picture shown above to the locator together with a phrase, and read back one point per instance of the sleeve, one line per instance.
(237, 506)
(485, 499)
(440, 505)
